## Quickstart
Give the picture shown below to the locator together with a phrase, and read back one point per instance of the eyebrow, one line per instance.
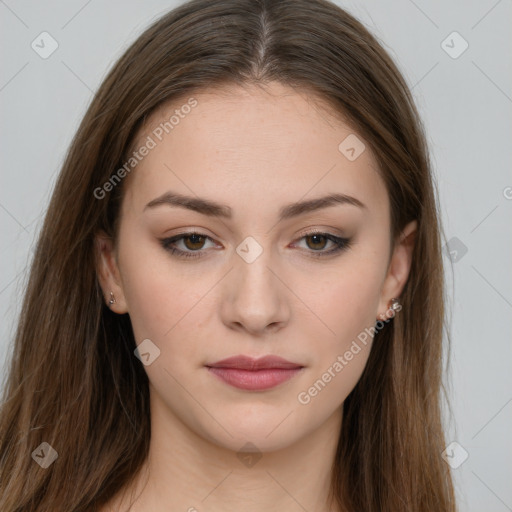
(213, 209)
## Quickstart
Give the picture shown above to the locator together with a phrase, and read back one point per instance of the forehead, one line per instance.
(273, 145)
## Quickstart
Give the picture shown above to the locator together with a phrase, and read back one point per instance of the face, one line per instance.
(215, 258)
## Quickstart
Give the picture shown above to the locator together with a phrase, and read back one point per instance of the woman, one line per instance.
(236, 299)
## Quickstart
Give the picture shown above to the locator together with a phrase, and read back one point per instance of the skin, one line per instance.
(254, 150)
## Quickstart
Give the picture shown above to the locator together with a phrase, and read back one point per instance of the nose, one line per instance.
(254, 297)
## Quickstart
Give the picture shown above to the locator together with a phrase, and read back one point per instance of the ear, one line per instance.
(108, 272)
(399, 267)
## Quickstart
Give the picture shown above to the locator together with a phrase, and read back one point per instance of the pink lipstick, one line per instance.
(244, 372)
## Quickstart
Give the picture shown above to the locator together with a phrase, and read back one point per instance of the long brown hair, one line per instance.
(74, 382)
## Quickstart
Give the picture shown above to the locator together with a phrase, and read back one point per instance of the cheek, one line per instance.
(159, 297)
(346, 300)
(347, 306)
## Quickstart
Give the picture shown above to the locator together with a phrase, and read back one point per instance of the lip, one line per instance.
(247, 373)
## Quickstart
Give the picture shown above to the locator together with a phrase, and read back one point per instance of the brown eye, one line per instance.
(317, 244)
(318, 241)
(195, 242)
(192, 245)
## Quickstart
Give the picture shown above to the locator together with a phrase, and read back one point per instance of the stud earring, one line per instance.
(112, 299)
(394, 305)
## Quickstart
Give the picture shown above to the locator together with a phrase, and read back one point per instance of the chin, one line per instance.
(267, 432)
(256, 441)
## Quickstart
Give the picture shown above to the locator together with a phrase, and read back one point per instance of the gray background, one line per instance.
(466, 104)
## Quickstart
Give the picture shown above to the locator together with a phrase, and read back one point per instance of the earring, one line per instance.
(112, 299)
(394, 305)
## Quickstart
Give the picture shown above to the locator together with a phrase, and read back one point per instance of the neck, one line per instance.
(186, 472)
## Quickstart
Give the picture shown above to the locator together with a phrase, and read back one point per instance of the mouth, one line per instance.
(251, 374)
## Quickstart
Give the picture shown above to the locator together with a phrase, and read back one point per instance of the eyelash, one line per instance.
(341, 244)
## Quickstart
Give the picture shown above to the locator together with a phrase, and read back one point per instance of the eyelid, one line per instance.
(187, 234)
(341, 243)
(321, 231)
